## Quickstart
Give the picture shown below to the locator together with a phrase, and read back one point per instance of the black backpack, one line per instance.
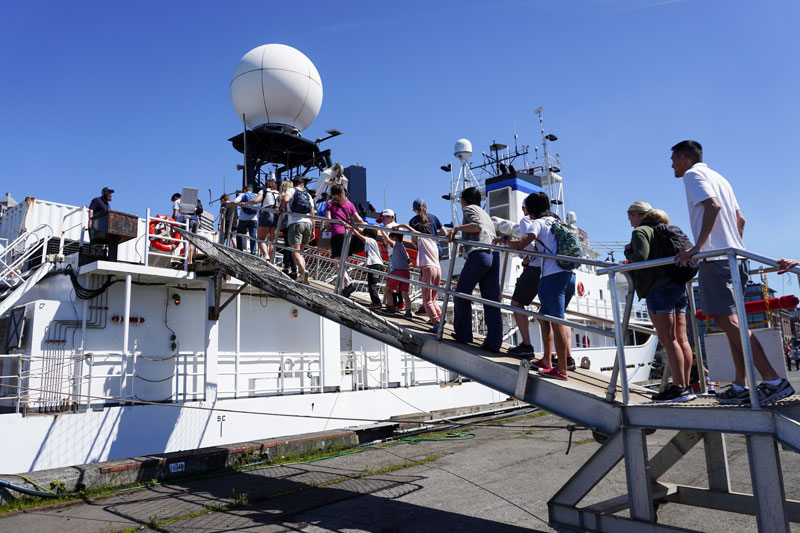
(673, 240)
(198, 210)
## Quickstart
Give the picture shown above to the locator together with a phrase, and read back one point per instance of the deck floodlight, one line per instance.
(551, 137)
(331, 134)
(446, 167)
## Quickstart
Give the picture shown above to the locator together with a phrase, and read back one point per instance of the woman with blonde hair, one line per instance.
(267, 198)
(666, 299)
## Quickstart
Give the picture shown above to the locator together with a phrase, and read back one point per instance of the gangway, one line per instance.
(619, 414)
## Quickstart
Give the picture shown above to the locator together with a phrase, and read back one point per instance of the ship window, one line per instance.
(601, 294)
(499, 203)
(577, 339)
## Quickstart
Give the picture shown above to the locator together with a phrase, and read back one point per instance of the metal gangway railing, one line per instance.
(15, 257)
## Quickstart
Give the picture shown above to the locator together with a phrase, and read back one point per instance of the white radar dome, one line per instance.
(463, 149)
(276, 84)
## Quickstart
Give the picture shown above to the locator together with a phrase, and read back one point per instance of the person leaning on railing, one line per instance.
(666, 299)
(717, 224)
(556, 285)
(482, 267)
(341, 209)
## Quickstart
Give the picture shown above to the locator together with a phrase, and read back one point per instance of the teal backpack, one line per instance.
(568, 242)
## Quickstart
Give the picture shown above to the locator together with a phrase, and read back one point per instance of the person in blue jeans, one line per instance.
(556, 286)
(482, 267)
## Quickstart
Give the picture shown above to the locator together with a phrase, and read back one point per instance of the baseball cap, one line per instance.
(387, 213)
(419, 202)
(107, 189)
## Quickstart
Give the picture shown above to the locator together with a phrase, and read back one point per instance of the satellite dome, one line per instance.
(276, 84)
(463, 149)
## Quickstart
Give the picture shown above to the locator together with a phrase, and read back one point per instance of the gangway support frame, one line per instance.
(626, 424)
(645, 493)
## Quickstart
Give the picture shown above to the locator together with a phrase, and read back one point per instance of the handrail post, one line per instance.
(147, 237)
(744, 331)
(452, 249)
(343, 259)
(619, 337)
(701, 367)
(612, 383)
(503, 274)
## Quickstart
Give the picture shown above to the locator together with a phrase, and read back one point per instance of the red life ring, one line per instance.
(163, 226)
(581, 289)
(586, 342)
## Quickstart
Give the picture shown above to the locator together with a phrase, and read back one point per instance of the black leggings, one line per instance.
(372, 284)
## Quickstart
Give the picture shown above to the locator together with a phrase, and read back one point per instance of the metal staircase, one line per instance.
(16, 275)
(621, 415)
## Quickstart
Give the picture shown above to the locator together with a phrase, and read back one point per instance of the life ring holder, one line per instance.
(163, 226)
(581, 289)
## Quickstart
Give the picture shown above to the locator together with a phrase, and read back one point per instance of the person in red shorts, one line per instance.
(398, 266)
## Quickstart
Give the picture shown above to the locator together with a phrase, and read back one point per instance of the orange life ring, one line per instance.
(581, 289)
(163, 226)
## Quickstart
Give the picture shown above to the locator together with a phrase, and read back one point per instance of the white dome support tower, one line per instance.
(465, 178)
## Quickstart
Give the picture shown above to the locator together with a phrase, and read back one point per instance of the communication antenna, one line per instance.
(465, 178)
(551, 170)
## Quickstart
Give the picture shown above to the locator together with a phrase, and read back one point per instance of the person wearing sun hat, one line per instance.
(389, 220)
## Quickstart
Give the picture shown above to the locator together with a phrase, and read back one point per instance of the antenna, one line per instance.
(555, 188)
(465, 179)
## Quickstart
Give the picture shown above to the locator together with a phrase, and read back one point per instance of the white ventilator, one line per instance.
(276, 84)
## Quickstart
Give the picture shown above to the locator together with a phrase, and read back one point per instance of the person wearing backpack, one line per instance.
(341, 209)
(527, 286)
(246, 229)
(297, 203)
(557, 282)
(268, 198)
(666, 297)
(718, 223)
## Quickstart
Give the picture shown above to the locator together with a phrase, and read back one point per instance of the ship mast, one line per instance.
(551, 179)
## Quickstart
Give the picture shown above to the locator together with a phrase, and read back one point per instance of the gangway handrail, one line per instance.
(732, 255)
(448, 291)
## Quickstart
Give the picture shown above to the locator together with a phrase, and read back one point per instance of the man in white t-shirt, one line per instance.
(718, 223)
(527, 286)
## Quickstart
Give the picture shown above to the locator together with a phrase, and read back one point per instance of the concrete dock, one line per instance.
(491, 476)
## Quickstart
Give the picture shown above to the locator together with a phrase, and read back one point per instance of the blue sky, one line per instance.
(136, 96)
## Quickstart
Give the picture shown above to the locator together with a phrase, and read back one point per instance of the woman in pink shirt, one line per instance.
(340, 208)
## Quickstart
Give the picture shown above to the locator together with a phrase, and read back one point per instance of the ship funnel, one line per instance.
(463, 150)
